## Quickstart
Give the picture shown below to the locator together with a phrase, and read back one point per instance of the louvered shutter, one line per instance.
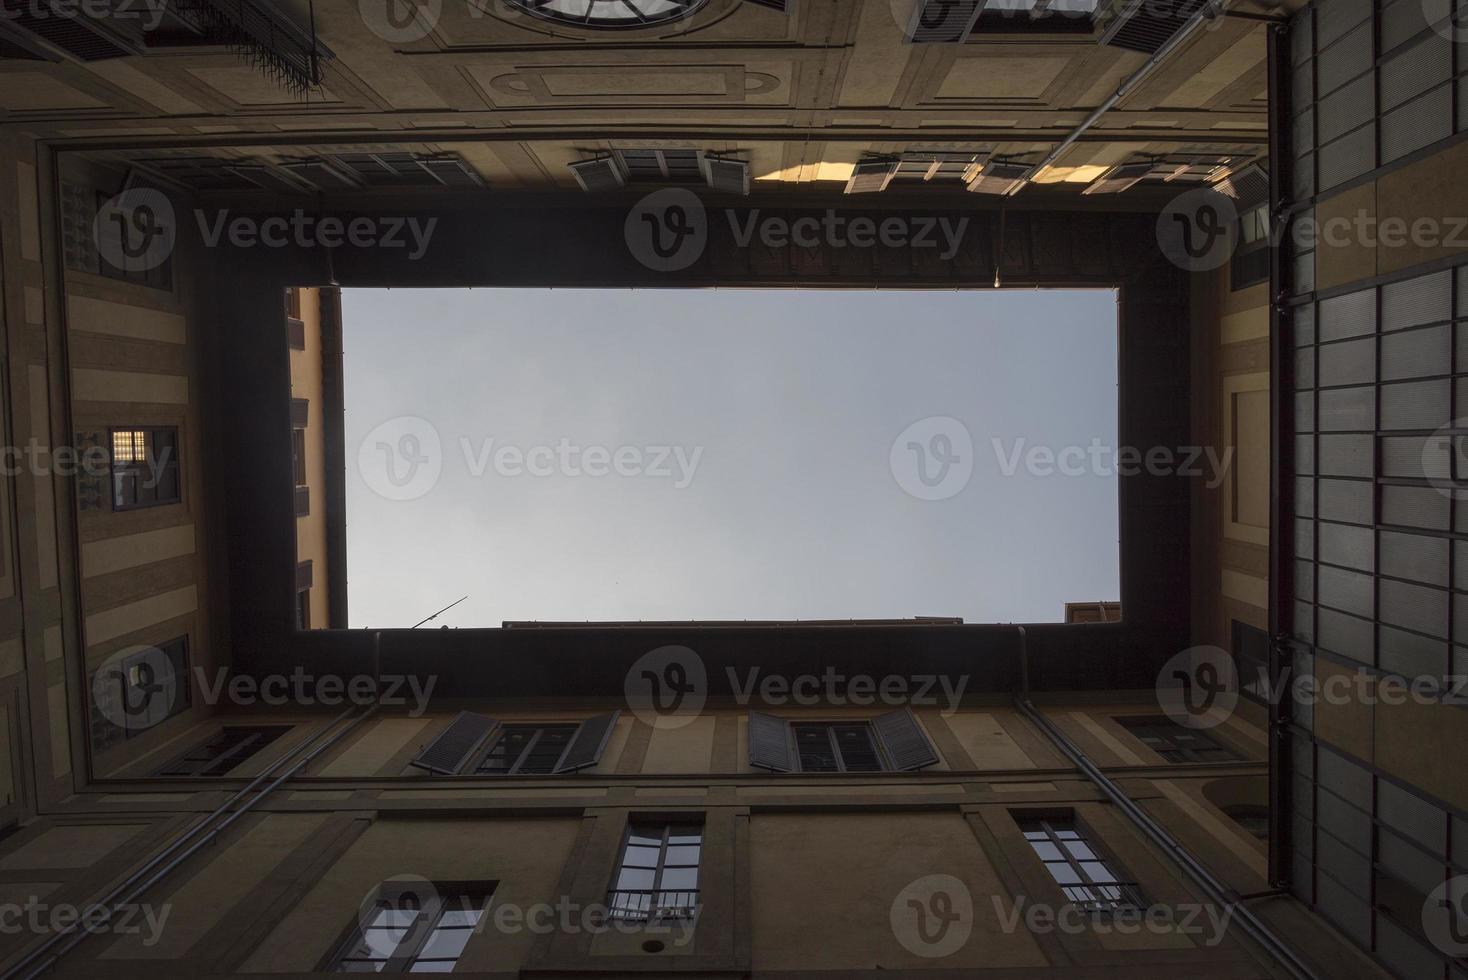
(591, 739)
(907, 745)
(448, 753)
(769, 742)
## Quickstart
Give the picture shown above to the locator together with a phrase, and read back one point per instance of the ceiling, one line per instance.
(800, 94)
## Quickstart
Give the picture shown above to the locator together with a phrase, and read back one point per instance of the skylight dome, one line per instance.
(610, 13)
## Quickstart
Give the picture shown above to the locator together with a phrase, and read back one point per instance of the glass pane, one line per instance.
(1097, 871)
(1036, 835)
(1064, 874)
(646, 836)
(685, 835)
(460, 917)
(433, 966)
(393, 917)
(682, 856)
(359, 966)
(1067, 834)
(1047, 851)
(634, 878)
(679, 879)
(446, 943)
(382, 942)
(1080, 849)
(640, 857)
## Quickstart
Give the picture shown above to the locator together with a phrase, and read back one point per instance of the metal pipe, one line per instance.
(1217, 891)
(112, 900)
(1209, 12)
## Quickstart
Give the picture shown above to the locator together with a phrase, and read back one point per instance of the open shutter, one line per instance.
(448, 753)
(591, 738)
(769, 742)
(907, 745)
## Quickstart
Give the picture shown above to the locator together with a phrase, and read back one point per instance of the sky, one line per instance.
(597, 455)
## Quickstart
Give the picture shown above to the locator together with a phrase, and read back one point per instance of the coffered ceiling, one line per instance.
(801, 94)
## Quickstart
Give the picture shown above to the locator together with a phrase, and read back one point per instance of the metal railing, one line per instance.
(649, 904)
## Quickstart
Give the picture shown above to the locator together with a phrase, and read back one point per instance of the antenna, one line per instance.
(439, 613)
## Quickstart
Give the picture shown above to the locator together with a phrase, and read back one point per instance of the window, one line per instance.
(1254, 819)
(610, 13)
(663, 165)
(657, 876)
(1175, 743)
(478, 746)
(303, 609)
(144, 467)
(522, 750)
(407, 931)
(893, 742)
(142, 689)
(836, 748)
(298, 456)
(1250, 264)
(1251, 658)
(1053, 17)
(293, 303)
(216, 757)
(1077, 866)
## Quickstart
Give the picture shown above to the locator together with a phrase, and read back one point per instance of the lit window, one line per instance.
(1078, 867)
(145, 470)
(1174, 742)
(610, 13)
(410, 932)
(657, 877)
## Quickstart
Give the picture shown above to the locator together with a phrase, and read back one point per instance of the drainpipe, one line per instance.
(1214, 9)
(68, 938)
(1216, 890)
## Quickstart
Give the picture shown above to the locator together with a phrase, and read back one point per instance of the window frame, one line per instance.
(105, 733)
(884, 764)
(427, 921)
(667, 829)
(1165, 730)
(256, 738)
(147, 465)
(1054, 827)
(540, 728)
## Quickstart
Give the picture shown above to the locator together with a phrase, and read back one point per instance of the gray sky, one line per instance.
(756, 452)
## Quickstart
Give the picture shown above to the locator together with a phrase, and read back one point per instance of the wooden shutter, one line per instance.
(454, 746)
(907, 745)
(769, 742)
(591, 738)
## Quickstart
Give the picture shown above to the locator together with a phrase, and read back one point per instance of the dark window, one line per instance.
(669, 166)
(140, 691)
(414, 929)
(657, 876)
(293, 303)
(1175, 743)
(1036, 17)
(216, 757)
(830, 747)
(298, 455)
(1254, 819)
(303, 609)
(1251, 657)
(145, 470)
(135, 231)
(526, 750)
(1081, 870)
(1250, 264)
